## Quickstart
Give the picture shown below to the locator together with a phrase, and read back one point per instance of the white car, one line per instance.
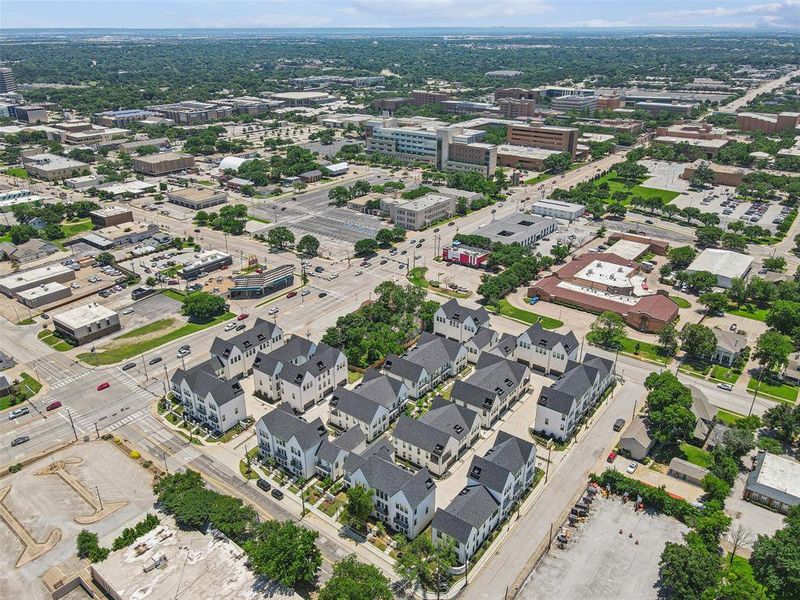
(725, 386)
(230, 326)
(359, 272)
(632, 467)
(127, 311)
(305, 292)
(273, 311)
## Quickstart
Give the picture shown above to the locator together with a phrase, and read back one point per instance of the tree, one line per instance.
(284, 552)
(668, 340)
(776, 559)
(698, 341)
(425, 562)
(339, 196)
(784, 317)
(687, 571)
(308, 245)
(232, 517)
(738, 536)
(737, 293)
(711, 524)
(352, 580)
(365, 247)
(784, 421)
(715, 488)
(775, 263)
(151, 281)
(608, 329)
(715, 303)
(359, 506)
(701, 282)
(89, 547)
(202, 306)
(557, 163)
(733, 241)
(559, 252)
(105, 258)
(708, 236)
(385, 237)
(760, 291)
(703, 175)
(681, 257)
(278, 237)
(773, 350)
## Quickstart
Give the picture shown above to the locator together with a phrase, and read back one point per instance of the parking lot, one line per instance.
(602, 564)
(44, 504)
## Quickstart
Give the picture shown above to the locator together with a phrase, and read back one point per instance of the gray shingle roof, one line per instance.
(506, 345)
(469, 510)
(508, 455)
(355, 405)
(574, 383)
(250, 338)
(330, 450)
(202, 380)
(430, 353)
(283, 423)
(542, 338)
(484, 338)
(433, 430)
(385, 476)
(455, 312)
(494, 377)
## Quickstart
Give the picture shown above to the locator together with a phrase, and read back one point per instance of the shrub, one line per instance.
(135, 455)
(88, 547)
(657, 498)
(15, 468)
(131, 534)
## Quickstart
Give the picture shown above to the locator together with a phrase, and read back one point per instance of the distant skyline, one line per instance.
(218, 14)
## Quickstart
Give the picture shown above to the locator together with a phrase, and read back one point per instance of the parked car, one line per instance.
(155, 360)
(127, 311)
(733, 327)
(291, 294)
(277, 494)
(18, 412)
(273, 311)
(619, 424)
(103, 386)
(632, 467)
(54, 405)
(318, 269)
(611, 457)
(264, 484)
(323, 294)
(20, 440)
(242, 317)
(305, 292)
(230, 326)
(128, 366)
(241, 327)
(384, 261)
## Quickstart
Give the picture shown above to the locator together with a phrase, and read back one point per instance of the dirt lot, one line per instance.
(42, 504)
(602, 564)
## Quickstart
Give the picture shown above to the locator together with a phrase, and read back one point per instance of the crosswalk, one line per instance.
(69, 379)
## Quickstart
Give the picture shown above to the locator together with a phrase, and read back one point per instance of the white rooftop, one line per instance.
(41, 290)
(781, 474)
(23, 278)
(84, 315)
(207, 257)
(722, 262)
(551, 203)
(526, 151)
(628, 249)
(606, 273)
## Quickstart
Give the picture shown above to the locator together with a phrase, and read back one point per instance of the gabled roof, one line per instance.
(380, 389)
(469, 510)
(260, 332)
(202, 380)
(483, 338)
(701, 407)
(453, 311)
(320, 361)
(729, 341)
(561, 396)
(385, 476)
(542, 338)
(637, 432)
(508, 456)
(506, 345)
(357, 406)
(296, 350)
(351, 439)
(283, 423)
(432, 431)
(494, 378)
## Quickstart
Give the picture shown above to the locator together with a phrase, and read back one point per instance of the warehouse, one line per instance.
(86, 323)
(43, 294)
(18, 282)
(197, 198)
(726, 265)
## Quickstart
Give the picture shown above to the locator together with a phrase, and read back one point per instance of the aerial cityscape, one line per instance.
(367, 301)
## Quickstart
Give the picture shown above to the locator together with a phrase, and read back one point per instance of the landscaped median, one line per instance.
(137, 341)
(505, 308)
(417, 278)
(774, 391)
(635, 348)
(27, 388)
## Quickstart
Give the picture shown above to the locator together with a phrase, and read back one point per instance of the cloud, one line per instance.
(601, 23)
(785, 13)
(450, 11)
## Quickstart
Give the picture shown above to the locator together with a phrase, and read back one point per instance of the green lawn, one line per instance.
(417, 277)
(353, 376)
(174, 294)
(645, 350)
(505, 308)
(781, 391)
(750, 312)
(55, 342)
(681, 302)
(638, 190)
(727, 417)
(28, 387)
(696, 368)
(71, 228)
(16, 172)
(149, 328)
(120, 353)
(725, 374)
(538, 179)
(696, 456)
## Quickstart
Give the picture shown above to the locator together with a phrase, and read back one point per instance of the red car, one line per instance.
(242, 317)
(612, 456)
(54, 405)
(103, 386)
(291, 294)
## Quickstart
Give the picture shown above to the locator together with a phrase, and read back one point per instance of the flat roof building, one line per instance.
(161, 164)
(563, 139)
(121, 118)
(774, 481)
(769, 123)
(12, 284)
(111, 215)
(192, 113)
(575, 103)
(86, 323)
(517, 228)
(206, 262)
(197, 198)
(30, 114)
(303, 98)
(558, 209)
(52, 166)
(670, 107)
(725, 264)
(43, 294)
(523, 157)
(421, 212)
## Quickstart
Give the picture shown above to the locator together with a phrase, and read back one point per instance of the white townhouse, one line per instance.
(468, 520)
(562, 405)
(404, 501)
(495, 385)
(432, 361)
(290, 441)
(483, 341)
(301, 373)
(546, 351)
(238, 353)
(332, 454)
(458, 322)
(372, 405)
(207, 399)
(438, 438)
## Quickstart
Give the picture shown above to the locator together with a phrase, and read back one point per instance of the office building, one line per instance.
(729, 175)
(111, 215)
(7, 82)
(162, 164)
(51, 167)
(121, 118)
(768, 123)
(30, 114)
(774, 482)
(422, 212)
(40, 295)
(653, 107)
(10, 285)
(86, 323)
(523, 157)
(724, 264)
(517, 228)
(261, 284)
(516, 94)
(513, 108)
(293, 99)
(420, 97)
(206, 262)
(192, 113)
(563, 139)
(575, 103)
(199, 198)
(557, 209)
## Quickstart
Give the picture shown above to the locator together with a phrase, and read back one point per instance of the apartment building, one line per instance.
(467, 521)
(214, 402)
(192, 113)
(438, 438)
(290, 441)
(372, 405)
(546, 351)
(563, 139)
(457, 322)
(768, 123)
(237, 354)
(432, 361)
(483, 341)
(420, 213)
(332, 454)
(301, 373)
(404, 501)
(563, 405)
(492, 388)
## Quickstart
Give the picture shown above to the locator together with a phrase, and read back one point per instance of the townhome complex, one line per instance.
(301, 373)
(238, 353)
(457, 322)
(433, 360)
(207, 399)
(290, 441)
(332, 454)
(561, 406)
(546, 351)
(372, 405)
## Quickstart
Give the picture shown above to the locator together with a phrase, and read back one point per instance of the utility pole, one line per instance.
(164, 454)
(99, 499)
(144, 366)
(75, 433)
(96, 430)
(755, 391)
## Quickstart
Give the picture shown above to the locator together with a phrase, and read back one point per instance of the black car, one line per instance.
(155, 361)
(277, 494)
(241, 327)
(129, 365)
(384, 261)
(264, 484)
(318, 269)
(619, 424)
(20, 440)
(323, 294)
(404, 252)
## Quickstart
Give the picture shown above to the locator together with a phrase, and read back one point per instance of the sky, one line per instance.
(189, 14)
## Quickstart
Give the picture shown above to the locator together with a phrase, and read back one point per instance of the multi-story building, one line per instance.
(495, 385)
(214, 402)
(563, 405)
(13, 284)
(683, 108)
(7, 82)
(457, 322)
(161, 164)
(301, 373)
(111, 215)
(52, 166)
(238, 353)
(404, 501)
(484, 340)
(30, 114)
(332, 454)
(438, 438)
(768, 123)
(467, 521)
(513, 108)
(516, 94)
(557, 209)
(432, 361)
(546, 351)
(303, 98)
(192, 113)
(563, 139)
(86, 323)
(518, 228)
(575, 103)
(372, 405)
(121, 118)
(420, 97)
(420, 213)
(474, 157)
(465, 255)
(523, 157)
(290, 441)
